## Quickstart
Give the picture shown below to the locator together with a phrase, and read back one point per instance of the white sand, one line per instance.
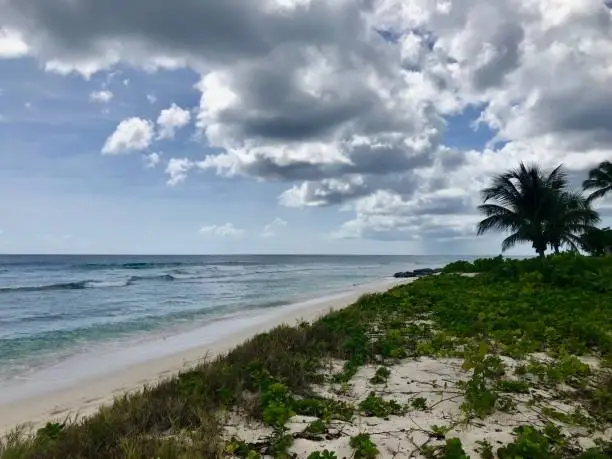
(84, 396)
(435, 380)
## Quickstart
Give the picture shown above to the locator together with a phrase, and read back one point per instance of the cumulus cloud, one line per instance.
(307, 115)
(92, 36)
(177, 169)
(324, 192)
(225, 230)
(271, 229)
(12, 44)
(131, 134)
(103, 96)
(347, 102)
(152, 160)
(170, 120)
(385, 215)
(151, 98)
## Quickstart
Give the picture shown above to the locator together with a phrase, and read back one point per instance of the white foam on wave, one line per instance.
(107, 283)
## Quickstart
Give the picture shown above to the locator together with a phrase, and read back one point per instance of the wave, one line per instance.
(135, 265)
(56, 340)
(106, 283)
(40, 288)
(164, 264)
(161, 277)
(85, 284)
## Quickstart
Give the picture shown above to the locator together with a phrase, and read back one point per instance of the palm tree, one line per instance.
(600, 180)
(536, 207)
(571, 217)
(597, 241)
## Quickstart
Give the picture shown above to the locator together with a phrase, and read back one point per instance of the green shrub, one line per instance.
(439, 432)
(381, 376)
(276, 403)
(533, 443)
(280, 444)
(325, 454)
(485, 449)
(363, 446)
(460, 266)
(380, 408)
(324, 408)
(479, 398)
(317, 427)
(239, 448)
(392, 344)
(515, 387)
(452, 449)
(419, 403)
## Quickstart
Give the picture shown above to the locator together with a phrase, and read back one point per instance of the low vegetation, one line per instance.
(363, 446)
(548, 314)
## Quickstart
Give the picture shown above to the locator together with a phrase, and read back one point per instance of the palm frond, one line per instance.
(493, 223)
(502, 190)
(599, 193)
(557, 178)
(600, 180)
(512, 240)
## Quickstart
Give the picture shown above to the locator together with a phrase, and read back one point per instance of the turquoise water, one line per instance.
(53, 307)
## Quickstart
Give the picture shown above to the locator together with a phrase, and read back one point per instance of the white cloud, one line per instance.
(225, 230)
(152, 160)
(103, 96)
(271, 229)
(309, 93)
(440, 215)
(177, 169)
(323, 193)
(12, 44)
(170, 120)
(131, 134)
(86, 66)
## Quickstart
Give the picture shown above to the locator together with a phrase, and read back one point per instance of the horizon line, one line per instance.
(253, 254)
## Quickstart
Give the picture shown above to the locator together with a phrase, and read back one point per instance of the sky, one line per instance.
(288, 126)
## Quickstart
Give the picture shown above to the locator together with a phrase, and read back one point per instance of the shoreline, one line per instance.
(83, 397)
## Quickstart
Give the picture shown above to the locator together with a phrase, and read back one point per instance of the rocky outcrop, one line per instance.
(417, 273)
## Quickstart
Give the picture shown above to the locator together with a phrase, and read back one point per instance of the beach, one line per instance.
(444, 366)
(82, 397)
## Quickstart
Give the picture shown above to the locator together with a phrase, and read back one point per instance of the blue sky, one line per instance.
(292, 149)
(67, 196)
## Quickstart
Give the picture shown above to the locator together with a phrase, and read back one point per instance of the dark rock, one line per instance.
(416, 273)
(404, 275)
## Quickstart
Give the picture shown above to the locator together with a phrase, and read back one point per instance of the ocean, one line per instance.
(53, 308)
